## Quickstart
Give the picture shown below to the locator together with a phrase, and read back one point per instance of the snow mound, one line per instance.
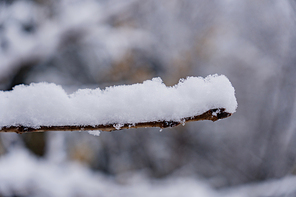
(47, 104)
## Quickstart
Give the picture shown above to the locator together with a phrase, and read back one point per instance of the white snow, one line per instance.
(94, 133)
(47, 104)
(22, 174)
(89, 26)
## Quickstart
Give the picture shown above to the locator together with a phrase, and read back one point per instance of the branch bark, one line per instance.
(212, 114)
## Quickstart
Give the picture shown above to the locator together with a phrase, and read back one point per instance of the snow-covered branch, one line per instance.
(212, 114)
(47, 107)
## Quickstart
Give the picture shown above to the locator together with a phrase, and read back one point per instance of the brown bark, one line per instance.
(213, 114)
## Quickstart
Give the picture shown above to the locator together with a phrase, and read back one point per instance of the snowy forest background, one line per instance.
(98, 43)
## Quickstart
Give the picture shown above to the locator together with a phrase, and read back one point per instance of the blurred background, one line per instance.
(100, 43)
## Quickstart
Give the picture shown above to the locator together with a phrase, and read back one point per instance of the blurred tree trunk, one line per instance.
(279, 155)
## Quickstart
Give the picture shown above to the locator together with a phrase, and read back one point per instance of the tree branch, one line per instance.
(212, 114)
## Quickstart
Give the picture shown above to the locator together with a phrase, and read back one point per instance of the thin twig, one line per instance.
(213, 115)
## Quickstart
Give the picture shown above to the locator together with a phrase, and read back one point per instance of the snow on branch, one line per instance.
(47, 107)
